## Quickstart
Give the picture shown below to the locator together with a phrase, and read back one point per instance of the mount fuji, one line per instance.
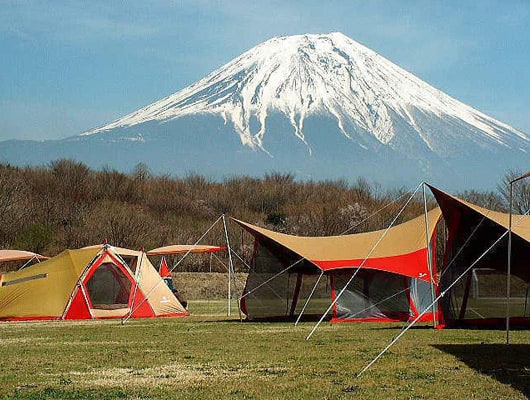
(319, 106)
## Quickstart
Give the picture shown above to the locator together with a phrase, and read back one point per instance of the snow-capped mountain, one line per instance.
(322, 106)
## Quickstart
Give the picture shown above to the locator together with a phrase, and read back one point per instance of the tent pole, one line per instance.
(442, 294)
(230, 266)
(362, 263)
(146, 295)
(510, 256)
(525, 300)
(137, 282)
(465, 298)
(509, 268)
(429, 258)
(309, 298)
(28, 262)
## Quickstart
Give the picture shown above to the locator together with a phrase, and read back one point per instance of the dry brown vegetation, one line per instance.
(65, 204)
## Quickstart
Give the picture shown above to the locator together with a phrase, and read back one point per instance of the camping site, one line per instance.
(415, 307)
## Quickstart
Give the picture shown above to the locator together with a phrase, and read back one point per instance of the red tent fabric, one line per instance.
(164, 269)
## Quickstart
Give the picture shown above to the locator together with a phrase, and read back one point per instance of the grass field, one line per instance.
(211, 356)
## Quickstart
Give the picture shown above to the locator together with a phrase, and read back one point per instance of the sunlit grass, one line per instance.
(212, 356)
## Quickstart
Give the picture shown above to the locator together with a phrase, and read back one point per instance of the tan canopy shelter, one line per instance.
(479, 298)
(397, 248)
(176, 249)
(394, 277)
(89, 283)
(183, 249)
(19, 255)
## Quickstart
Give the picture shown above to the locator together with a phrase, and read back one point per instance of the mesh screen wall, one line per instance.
(284, 295)
(480, 296)
(374, 295)
(109, 287)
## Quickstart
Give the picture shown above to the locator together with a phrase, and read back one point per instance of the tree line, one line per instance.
(67, 205)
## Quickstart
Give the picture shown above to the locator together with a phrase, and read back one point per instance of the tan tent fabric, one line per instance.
(520, 223)
(119, 250)
(160, 296)
(405, 238)
(43, 289)
(183, 248)
(19, 255)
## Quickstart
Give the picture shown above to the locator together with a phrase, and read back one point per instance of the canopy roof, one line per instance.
(520, 223)
(184, 248)
(401, 249)
(19, 255)
(484, 227)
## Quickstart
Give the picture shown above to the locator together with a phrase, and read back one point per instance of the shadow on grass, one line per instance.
(507, 364)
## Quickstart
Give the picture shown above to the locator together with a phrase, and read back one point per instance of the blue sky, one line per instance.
(70, 66)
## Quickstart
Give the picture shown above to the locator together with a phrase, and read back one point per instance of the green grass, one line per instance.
(212, 356)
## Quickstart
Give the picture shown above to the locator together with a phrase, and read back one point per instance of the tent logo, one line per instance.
(165, 300)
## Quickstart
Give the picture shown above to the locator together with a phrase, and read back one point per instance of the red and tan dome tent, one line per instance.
(89, 283)
(393, 282)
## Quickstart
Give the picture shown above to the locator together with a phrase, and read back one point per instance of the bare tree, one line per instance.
(520, 191)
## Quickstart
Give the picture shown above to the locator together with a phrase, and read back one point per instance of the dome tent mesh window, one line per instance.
(109, 287)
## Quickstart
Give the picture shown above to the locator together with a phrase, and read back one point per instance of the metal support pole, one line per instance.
(230, 267)
(509, 270)
(509, 267)
(434, 309)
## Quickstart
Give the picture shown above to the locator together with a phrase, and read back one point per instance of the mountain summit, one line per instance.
(323, 107)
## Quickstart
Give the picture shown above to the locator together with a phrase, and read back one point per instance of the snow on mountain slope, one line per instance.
(328, 75)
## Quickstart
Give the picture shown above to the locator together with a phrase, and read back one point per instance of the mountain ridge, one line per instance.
(283, 74)
(320, 105)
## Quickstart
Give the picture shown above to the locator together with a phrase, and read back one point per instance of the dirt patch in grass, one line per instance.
(169, 374)
(22, 340)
